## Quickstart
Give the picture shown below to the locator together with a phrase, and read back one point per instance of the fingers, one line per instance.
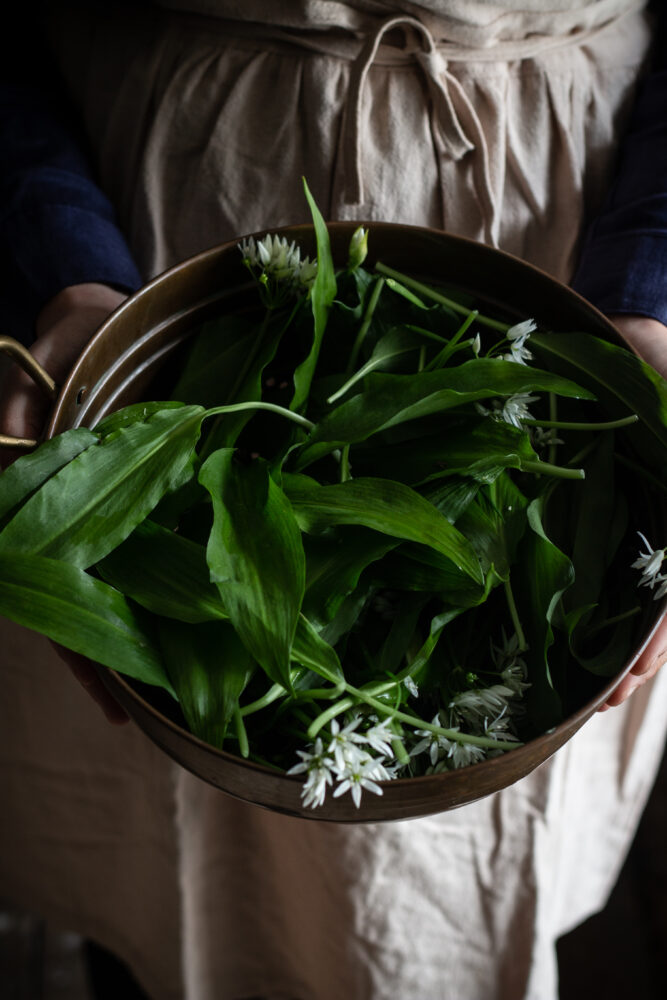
(648, 664)
(63, 328)
(646, 337)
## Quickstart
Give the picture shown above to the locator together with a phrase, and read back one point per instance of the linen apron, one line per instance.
(490, 121)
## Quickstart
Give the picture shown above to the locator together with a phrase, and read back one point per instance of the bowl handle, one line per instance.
(24, 358)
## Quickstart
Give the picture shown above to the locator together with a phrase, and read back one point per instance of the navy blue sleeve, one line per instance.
(57, 228)
(623, 265)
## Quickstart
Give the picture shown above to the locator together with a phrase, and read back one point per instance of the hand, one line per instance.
(648, 339)
(63, 329)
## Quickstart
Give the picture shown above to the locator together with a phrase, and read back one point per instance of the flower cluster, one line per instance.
(348, 760)
(517, 336)
(278, 267)
(513, 410)
(650, 563)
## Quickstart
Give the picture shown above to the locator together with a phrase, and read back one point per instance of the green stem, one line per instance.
(547, 469)
(514, 614)
(328, 714)
(553, 414)
(259, 405)
(614, 620)
(567, 425)
(239, 725)
(438, 297)
(441, 359)
(345, 473)
(363, 329)
(412, 720)
(400, 753)
(274, 692)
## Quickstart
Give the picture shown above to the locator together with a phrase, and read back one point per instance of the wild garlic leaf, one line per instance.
(334, 563)
(621, 381)
(209, 668)
(388, 507)
(389, 400)
(476, 447)
(255, 557)
(164, 573)
(322, 295)
(91, 505)
(135, 413)
(312, 651)
(29, 472)
(394, 345)
(84, 614)
(541, 576)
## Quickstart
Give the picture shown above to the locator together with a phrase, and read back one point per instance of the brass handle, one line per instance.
(32, 367)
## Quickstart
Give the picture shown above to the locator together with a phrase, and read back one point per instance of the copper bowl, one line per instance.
(123, 362)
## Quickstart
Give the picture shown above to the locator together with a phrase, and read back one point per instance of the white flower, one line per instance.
(515, 409)
(379, 738)
(345, 743)
(307, 272)
(411, 687)
(477, 704)
(544, 437)
(476, 345)
(319, 768)
(649, 563)
(278, 260)
(517, 336)
(512, 410)
(357, 776)
(463, 754)
(662, 589)
(499, 728)
(514, 677)
(436, 744)
(511, 666)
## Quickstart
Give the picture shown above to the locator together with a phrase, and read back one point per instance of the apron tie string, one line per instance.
(449, 104)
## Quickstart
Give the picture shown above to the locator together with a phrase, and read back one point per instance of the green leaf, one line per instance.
(619, 379)
(389, 400)
(322, 294)
(477, 447)
(165, 573)
(542, 574)
(209, 668)
(91, 505)
(135, 413)
(494, 523)
(226, 366)
(334, 563)
(594, 510)
(79, 612)
(393, 345)
(388, 507)
(219, 352)
(29, 472)
(311, 651)
(255, 557)
(418, 568)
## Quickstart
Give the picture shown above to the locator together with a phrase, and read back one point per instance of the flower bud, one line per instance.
(358, 248)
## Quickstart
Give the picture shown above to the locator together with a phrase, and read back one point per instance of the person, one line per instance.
(487, 120)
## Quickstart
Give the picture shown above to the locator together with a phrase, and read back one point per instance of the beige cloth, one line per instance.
(491, 121)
